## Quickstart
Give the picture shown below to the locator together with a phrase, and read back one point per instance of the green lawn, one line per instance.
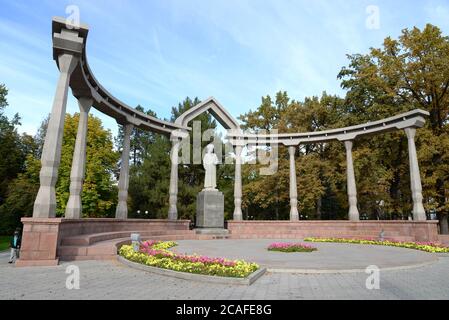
(4, 242)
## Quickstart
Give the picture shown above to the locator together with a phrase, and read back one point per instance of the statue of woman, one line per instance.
(210, 161)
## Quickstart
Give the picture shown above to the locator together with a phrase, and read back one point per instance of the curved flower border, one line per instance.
(290, 247)
(423, 246)
(156, 254)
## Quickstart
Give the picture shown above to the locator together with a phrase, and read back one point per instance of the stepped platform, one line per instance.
(104, 246)
(46, 241)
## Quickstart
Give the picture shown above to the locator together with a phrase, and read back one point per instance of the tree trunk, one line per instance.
(444, 228)
(442, 216)
(396, 182)
(318, 208)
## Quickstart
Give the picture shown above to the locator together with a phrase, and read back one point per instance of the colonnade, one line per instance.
(419, 213)
(353, 213)
(45, 203)
(69, 53)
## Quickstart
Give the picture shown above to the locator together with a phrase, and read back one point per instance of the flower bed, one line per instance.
(290, 247)
(423, 246)
(156, 254)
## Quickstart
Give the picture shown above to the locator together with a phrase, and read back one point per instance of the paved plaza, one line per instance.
(330, 257)
(112, 280)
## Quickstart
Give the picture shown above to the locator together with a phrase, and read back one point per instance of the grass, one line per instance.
(4, 242)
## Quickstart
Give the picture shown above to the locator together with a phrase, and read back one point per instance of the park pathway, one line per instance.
(111, 280)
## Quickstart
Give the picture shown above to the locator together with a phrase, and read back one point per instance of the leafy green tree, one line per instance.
(149, 182)
(140, 140)
(3, 100)
(21, 194)
(12, 148)
(99, 196)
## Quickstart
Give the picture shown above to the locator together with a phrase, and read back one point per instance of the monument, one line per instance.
(46, 239)
(210, 201)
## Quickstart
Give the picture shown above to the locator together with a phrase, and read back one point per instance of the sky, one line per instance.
(156, 53)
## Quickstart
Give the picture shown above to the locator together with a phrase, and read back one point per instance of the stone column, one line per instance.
(174, 157)
(45, 203)
(238, 184)
(122, 206)
(352, 190)
(294, 215)
(74, 206)
(419, 213)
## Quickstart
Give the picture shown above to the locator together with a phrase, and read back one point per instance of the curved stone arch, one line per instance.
(85, 85)
(212, 106)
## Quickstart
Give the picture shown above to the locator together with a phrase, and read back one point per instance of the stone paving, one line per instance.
(111, 280)
(329, 256)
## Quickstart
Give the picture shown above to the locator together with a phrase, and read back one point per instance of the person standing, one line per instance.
(15, 246)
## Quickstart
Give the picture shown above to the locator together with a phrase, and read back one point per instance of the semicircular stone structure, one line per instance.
(45, 235)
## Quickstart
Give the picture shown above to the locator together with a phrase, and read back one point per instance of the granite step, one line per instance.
(107, 249)
(89, 239)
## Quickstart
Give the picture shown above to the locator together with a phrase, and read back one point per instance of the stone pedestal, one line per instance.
(39, 242)
(210, 209)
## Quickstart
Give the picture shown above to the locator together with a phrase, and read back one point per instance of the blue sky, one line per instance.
(155, 53)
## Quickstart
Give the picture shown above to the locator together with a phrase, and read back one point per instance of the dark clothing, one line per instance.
(16, 244)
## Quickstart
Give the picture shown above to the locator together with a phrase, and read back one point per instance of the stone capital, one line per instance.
(67, 63)
(292, 150)
(410, 132)
(348, 145)
(85, 103)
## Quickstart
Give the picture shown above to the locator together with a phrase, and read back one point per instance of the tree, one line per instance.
(139, 140)
(20, 197)
(21, 189)
(99, 195)
(149, 183)
(12, 148)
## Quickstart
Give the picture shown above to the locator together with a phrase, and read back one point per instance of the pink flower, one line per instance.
(284, 245)
(147, 248)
